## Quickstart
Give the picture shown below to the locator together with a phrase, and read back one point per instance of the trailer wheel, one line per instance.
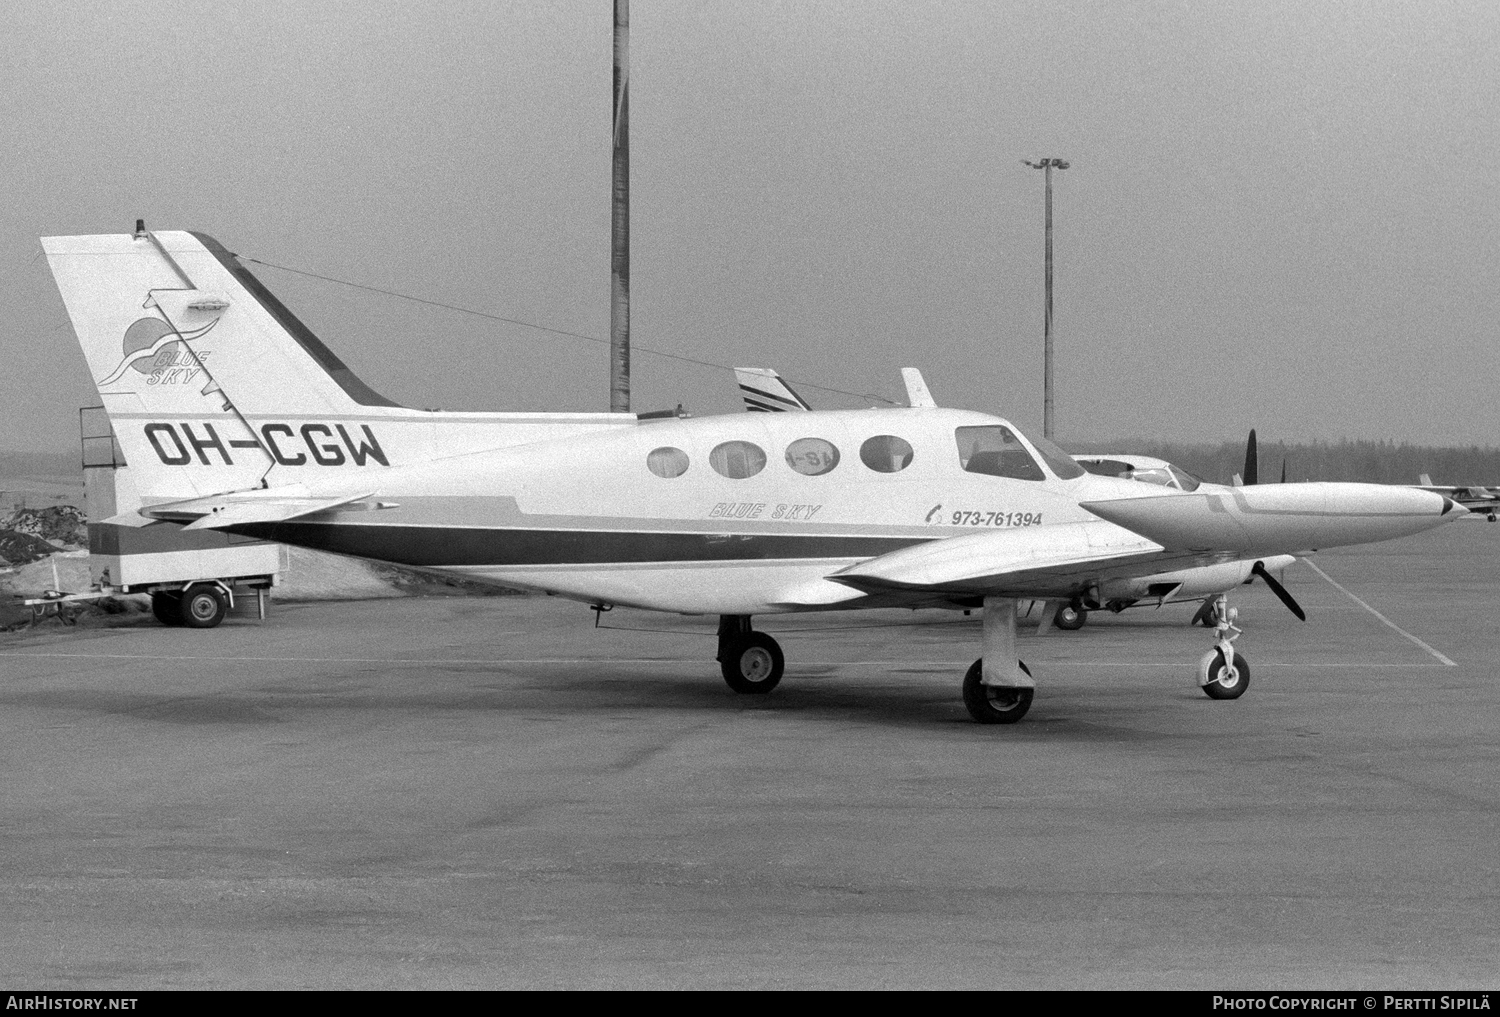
(203, 607)
(167, 607)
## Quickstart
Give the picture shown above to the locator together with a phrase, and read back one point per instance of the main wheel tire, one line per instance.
(1224, 683)
(1070, 617)
(203, 607)
(167, 607)
(753, 664)
(995, 704)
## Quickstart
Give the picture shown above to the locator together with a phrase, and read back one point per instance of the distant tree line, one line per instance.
(1375, 462)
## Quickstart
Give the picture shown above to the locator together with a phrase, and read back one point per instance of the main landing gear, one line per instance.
(752, 661)
(994, 693)
(995, 690)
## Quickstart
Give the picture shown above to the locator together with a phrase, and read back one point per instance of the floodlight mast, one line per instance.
(619, 295)
(1047, 166)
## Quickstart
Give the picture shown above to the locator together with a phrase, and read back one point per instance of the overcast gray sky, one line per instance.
(1280, 214)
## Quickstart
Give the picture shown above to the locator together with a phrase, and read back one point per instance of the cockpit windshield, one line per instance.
(994, 450)
(1185, 480)
(1153, 475)
(1062, 464)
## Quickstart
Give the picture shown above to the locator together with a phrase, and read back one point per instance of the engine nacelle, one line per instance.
(1189, 584)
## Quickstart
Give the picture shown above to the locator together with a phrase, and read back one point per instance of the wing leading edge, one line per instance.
(1016, 562)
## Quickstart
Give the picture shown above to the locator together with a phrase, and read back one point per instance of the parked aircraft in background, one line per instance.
(1482, 500)
(765, 392)
(235, 417)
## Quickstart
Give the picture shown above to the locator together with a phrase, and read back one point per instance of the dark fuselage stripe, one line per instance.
(440, 546)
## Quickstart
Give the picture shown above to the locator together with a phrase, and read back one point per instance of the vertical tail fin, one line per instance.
(917, 394)
(186, 347)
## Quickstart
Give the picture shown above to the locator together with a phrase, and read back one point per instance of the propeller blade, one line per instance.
(1252, 461)
(1280, 591)
(1283, 470)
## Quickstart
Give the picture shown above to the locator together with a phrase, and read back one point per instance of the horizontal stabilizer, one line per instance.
(130, 520)
(274, 505)
(996, 562)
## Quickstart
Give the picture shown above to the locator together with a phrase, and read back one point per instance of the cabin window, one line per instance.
(995, 451)
(737, 459)
(667, 462)
(812, 457)
(886, 453)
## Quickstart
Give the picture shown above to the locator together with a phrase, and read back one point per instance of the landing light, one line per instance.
(209, 303)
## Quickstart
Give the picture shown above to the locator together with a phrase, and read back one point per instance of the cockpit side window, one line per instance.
(994, 450)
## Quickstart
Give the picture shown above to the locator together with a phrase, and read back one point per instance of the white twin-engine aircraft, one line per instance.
(233, 416)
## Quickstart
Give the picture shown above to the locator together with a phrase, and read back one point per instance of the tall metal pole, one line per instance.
(619, 266)
(1047, 320)
(1047, 166)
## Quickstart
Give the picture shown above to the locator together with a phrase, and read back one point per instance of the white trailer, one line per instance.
(192, 575)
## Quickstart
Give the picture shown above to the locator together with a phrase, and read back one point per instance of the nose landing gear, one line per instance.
(1223, 673)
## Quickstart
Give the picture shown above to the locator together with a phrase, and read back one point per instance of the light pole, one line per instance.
(619, 259)
(1047, 166)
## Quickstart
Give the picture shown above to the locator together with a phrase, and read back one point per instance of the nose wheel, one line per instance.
(1071, 616)
(1221, 680)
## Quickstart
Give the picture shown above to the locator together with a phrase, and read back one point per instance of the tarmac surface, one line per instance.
(488, 792)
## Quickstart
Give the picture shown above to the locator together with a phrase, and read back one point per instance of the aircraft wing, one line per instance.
(1015, 562)
(272, 505)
